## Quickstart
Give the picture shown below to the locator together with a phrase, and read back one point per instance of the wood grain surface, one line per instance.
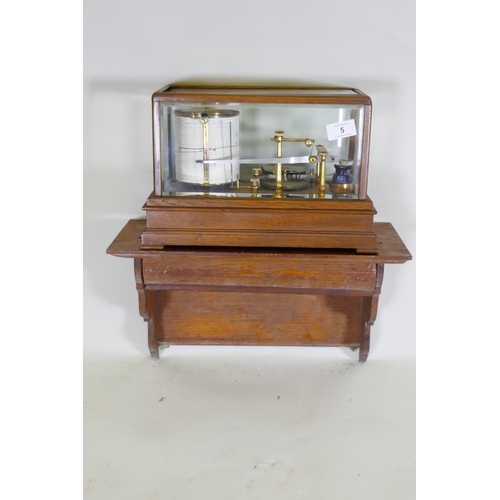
(392, 249)
(193, 317)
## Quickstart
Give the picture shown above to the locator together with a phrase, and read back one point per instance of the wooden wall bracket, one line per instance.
(258, 296)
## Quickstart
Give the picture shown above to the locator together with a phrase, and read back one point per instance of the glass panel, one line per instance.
(261, 150)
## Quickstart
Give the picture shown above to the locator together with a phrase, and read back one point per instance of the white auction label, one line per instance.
(338, 130)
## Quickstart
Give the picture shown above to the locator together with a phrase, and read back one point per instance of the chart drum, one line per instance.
(202, 135)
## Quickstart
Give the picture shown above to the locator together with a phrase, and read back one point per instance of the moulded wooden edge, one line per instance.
(392, 250)
(360, 242)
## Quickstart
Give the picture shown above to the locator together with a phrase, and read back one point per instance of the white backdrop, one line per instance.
(132, 48)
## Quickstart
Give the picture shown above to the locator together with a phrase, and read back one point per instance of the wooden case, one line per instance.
(238, 213)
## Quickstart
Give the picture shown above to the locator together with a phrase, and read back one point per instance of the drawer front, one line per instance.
(274, 271)
(263, 220)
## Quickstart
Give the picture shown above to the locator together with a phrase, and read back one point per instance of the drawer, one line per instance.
(301, 271)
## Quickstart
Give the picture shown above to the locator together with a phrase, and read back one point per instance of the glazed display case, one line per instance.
(260, 166)
(294, 143)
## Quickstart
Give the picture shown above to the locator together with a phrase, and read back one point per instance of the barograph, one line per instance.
(260, 167)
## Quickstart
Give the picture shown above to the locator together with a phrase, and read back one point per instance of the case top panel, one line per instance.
(261, 94)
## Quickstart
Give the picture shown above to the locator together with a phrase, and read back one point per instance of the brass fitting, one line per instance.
(255, 186)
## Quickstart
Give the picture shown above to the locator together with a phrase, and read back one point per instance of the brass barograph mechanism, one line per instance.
(321, 158)
(279, 138)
